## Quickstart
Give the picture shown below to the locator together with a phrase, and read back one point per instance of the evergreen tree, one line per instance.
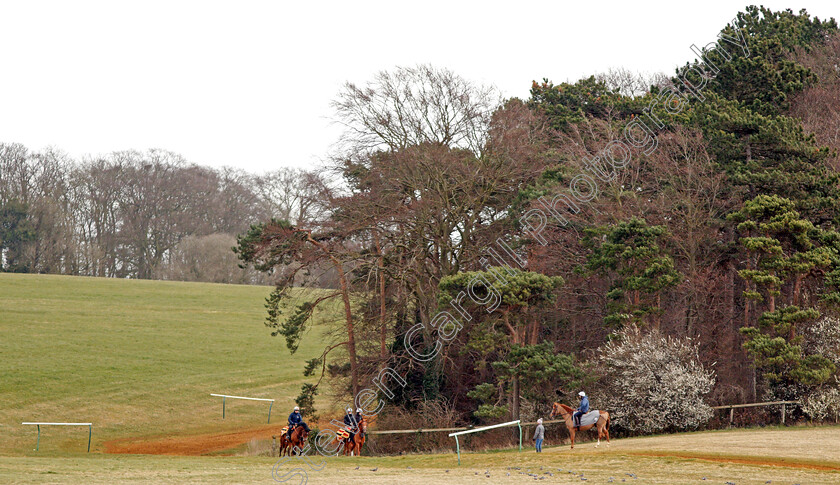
(15, 231)
(509, 294)
(630, 253)
(784, 249)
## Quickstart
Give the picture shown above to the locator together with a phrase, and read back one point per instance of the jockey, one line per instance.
(358, 416)
(582, 409)
(294, 420)
(351, 422)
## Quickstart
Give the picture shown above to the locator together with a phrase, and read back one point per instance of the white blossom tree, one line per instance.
(651, 383)
(823, 338)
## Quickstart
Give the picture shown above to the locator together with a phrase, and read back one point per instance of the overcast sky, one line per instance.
(248, 84)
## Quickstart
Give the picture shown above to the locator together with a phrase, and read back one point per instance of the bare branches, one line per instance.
(629, 83)
(413, 106)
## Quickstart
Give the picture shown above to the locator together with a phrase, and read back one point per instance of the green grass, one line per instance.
(137, 358)
(140, 358)
(738, 456)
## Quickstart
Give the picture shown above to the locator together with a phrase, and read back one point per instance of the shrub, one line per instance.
(823, 338)
(650, 382)
(822, 403)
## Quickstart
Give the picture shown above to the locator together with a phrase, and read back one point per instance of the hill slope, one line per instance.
(136, 358)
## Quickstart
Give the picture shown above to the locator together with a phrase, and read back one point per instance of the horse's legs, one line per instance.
(572, 435)
(607, 430)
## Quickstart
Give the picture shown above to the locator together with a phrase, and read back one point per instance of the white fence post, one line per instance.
(485, 428)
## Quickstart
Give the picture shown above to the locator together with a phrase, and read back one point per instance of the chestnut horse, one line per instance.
(299, 437)
(358, 440)
(284, 442)
(603, 423)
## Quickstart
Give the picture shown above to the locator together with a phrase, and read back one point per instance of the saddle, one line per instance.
(590, 418)
(344, 433)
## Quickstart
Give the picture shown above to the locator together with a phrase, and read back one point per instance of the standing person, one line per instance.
(539, 435)
(582, 409)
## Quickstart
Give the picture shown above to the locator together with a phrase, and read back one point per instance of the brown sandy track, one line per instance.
(738, 460)
(191, 445)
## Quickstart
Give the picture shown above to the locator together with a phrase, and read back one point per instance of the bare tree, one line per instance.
(629, 83)
(818, 106)
(292, 194)
(207, 258)
(412, 106)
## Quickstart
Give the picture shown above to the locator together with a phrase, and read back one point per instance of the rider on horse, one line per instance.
(295, 420)
(352, 422)
(582, 409)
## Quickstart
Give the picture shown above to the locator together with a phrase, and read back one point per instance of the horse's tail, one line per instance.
(608, 421)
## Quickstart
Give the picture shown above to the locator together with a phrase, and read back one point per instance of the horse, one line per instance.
(358, 440)
(603, 423)
(284, 441)
(298, 440)
(343, 440)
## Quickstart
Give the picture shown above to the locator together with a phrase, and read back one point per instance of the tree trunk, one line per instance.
(658, 319)
(746, 312)
(383, 328)
(749, 149)
(348, 314)
(514, 408)
(351, 337)
(797, 289)
(514, 398)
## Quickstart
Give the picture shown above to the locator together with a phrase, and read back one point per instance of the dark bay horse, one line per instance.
(603, 423)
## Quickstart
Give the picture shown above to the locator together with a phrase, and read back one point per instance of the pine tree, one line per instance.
(631, 254)
(784, 249)
(509, 293)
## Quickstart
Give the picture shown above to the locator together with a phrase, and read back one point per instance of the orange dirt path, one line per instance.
(191, 445)
(740, 460)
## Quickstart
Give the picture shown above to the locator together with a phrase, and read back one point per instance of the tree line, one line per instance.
(138, 214)
(706, 271)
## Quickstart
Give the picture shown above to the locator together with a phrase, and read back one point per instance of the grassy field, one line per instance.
(793, 455)
(140, 358)
(136, 358)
